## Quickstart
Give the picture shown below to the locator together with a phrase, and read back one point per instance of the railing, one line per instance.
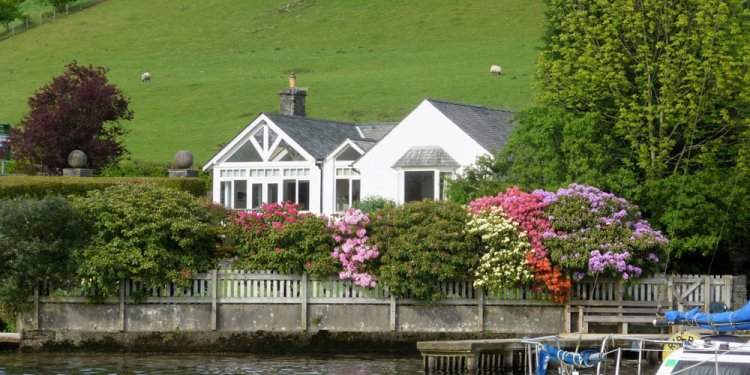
(671, 290)
(270, 290)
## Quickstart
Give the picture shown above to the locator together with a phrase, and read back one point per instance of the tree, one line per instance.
(670, 83)
(669, 78)
(77, 110)
(9, 12)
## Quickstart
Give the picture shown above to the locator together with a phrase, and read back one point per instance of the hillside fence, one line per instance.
(234, 300)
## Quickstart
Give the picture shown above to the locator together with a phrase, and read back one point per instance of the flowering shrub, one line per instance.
(504, 264)
(528, 210)
(279, 237)
(421, 244)
(352, 248)
(144, 232)
(598, 232)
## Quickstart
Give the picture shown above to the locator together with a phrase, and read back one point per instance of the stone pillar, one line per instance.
(183, 160)
(77, 160)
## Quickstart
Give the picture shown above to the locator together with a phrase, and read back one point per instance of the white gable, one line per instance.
(261, 141)
(424, 126)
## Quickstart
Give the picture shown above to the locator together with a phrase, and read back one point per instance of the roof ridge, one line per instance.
(467, 105)
(307, 118)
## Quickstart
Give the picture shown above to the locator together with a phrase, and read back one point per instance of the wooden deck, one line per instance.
(503, 355)
(10, 339)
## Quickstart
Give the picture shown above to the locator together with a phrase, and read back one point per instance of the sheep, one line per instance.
(146, 77)
(496, 70)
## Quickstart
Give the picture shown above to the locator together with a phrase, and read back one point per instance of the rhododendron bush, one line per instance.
(504, 263)
(528, 211)
(279, 237)
(598, 233)
(353, 249)
(541, 240)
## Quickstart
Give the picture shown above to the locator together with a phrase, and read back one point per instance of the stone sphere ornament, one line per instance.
(183, 159)
(77, 159)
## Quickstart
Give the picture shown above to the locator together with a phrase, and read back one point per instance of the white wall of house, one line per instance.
(424, 126)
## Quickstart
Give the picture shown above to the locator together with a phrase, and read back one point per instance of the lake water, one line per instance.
(185, 364)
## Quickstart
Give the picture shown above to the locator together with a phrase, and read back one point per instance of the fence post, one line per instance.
(706, 292)
(122, 305)
(726, 296)
(480, 309)
(36, 308)
(214, 290)
(392, 314)
(303, 302)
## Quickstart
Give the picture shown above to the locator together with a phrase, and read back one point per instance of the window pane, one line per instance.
(247, 152)
(355, 191)
(257, 196)
(226, 193)
(342, 194)
(419, 185)
(259, 138)
(445, 179)
(273, 193)
(271, 137)
(240, 199)
(290, 190)
(303, 198)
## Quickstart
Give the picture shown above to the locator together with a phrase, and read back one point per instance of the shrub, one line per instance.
(280, 238)
(504, 264)
(528, 210)
(37, 240)
(373, 203)
(134, 168)
(40, 186)
(599, 233)
(353, 250)
(144, 232)
(422, 244)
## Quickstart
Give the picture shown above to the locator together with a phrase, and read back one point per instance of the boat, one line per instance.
(717, 350)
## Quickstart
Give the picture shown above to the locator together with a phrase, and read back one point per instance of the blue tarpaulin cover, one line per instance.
(586, 358)
(726, 321)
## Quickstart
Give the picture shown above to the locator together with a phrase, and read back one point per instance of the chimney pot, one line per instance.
(292, 80)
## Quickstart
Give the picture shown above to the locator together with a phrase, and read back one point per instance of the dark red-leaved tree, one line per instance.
(79, 110)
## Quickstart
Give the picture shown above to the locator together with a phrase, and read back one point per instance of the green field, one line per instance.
(216, 64)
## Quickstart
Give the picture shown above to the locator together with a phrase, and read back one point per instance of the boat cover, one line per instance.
(722, 322)
(586, 358)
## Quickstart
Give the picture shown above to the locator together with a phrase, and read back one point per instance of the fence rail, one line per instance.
(220, 291)
(238, 286)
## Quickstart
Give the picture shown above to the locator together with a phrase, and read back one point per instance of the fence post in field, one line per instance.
(214, 288)
(480, 309)
(121, 323)
(303, 302)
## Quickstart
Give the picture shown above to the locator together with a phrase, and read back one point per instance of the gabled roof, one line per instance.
(376, 130)
(426, 156)
(490, 128)
(317, 137)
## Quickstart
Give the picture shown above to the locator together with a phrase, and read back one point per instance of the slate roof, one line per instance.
(426, 156)
(376, 130)
(317, 137)
(365, 144)
(491, 128)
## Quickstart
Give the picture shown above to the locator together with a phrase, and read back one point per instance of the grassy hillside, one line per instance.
(216, 64)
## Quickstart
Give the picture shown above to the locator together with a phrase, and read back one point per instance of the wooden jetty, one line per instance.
(12, 340)
(502, 355)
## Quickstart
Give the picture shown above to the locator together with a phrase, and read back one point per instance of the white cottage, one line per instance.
(325, 165)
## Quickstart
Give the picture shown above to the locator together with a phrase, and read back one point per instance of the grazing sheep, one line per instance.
(146, 77)
(496, 70)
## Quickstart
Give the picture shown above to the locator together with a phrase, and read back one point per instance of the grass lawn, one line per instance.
(216, 64)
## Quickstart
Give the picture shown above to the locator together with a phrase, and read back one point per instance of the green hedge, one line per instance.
(42, 186)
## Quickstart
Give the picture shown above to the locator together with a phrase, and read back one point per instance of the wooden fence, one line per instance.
(227, 287)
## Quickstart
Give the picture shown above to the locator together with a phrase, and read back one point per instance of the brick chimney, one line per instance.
(293, 98)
